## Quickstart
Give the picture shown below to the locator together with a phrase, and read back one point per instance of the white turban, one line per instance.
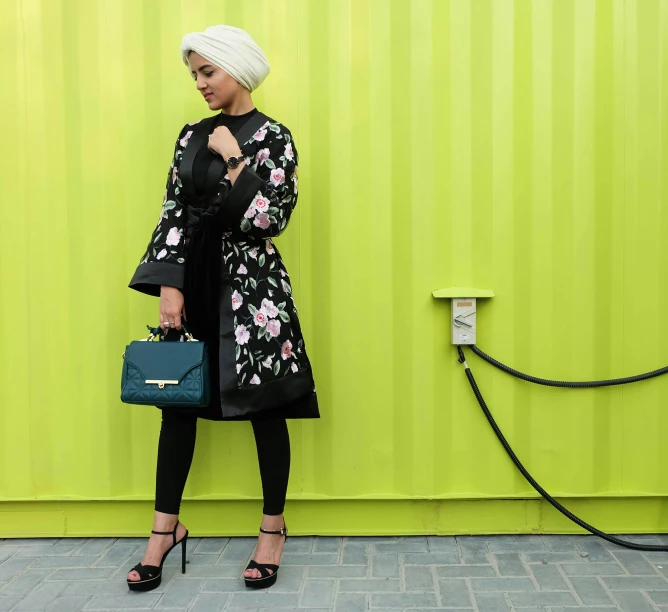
(232, 50)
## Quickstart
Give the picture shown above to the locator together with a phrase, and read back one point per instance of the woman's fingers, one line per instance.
(170, 320)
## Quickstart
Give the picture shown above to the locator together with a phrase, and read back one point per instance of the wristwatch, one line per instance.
(233, 162)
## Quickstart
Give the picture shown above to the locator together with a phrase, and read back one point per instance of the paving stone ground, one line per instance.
(480, 573)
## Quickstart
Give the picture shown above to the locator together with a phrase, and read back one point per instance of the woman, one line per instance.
(231, 188)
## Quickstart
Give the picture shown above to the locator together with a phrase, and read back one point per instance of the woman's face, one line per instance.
(218, 88)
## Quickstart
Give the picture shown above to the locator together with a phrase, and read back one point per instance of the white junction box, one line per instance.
(463, 320)
(464, 303)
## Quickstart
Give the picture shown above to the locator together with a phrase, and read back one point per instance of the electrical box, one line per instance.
(463, 320)
(464, 305)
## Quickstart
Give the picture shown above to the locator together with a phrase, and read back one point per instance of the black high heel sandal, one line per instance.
(150, 576)
(266, 579)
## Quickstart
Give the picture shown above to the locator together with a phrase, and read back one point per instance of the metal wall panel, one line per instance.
(516, 145)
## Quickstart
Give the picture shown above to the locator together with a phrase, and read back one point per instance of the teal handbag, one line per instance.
(166, 373)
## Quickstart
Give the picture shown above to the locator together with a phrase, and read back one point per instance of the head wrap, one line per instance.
(231, 49)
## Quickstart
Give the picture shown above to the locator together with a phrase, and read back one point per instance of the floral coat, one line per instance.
(262, 358)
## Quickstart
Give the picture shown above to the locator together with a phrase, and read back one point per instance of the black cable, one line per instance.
(567, 513)
(569, 385)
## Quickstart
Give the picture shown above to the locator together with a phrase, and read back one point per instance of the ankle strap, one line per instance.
(166, 532)
(282, 531)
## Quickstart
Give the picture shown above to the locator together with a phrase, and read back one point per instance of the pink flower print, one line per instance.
(262, 156)
(174, 237)
(295, 184)
(260, 203)
(267, 362)
(286, 287)
(237, 300)
(286, 350)
(195, 122)
(262, 221)
(242, 334)
(294, 367)
(283, 273)
(184, 141)
(242, 269)
(260, 318)
(277, 177)
(174, 173)
(226, 177)
(289, 154)
(250, 213)
(255, 380)
(161, 254)
(269, 308)
(253, 253)
(274, 327)
(238, 368)
(260, 134)
(269, 245)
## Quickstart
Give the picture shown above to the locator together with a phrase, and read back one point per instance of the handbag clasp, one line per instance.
(161, 383)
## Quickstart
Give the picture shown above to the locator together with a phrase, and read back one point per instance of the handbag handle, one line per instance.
(156, 331)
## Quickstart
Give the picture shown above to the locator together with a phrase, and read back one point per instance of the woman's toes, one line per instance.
(133, 576)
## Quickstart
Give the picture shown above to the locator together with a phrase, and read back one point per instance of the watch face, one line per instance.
(233, 162)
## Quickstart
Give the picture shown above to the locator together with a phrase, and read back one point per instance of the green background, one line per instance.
(515, 145)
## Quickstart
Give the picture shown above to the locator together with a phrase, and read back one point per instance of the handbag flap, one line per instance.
(165, 360)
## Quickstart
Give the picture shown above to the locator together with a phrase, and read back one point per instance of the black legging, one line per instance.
(175, 455)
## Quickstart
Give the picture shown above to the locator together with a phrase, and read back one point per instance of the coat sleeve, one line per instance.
(164, 259)
(265, 193)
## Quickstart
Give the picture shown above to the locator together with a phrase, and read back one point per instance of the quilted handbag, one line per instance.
(166, 373)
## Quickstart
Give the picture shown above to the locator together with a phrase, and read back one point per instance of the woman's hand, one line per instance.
(223, 143)
(171, 307)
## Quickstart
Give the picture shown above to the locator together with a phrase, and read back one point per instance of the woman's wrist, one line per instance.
(233, 152)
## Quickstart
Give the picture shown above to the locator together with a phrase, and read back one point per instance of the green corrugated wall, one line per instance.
(517, 145)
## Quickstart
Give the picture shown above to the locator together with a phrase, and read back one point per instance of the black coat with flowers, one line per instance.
(261, 356)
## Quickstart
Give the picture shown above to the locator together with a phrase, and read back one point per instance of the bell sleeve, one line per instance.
(265, 193)
(164, 259)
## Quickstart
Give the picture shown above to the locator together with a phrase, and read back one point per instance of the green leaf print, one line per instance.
(238, 352)
(252, 309)
(284, 316)
(277, 367)
(181, 260)
(270, 164)
(157, 238)
(260, 260)
(169, 204)
(253, 283)
(245, 225)
(272, 282)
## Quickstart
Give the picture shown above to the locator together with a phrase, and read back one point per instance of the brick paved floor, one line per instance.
(495, 573)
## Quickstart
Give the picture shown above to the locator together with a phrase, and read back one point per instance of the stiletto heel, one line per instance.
(183, 554)
(150, 576)
(266, 579)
